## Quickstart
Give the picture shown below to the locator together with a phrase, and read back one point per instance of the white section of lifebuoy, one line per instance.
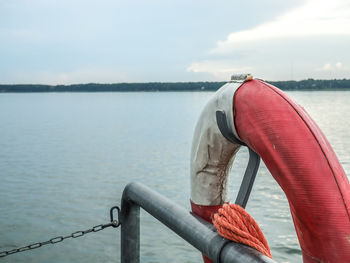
(212, 155)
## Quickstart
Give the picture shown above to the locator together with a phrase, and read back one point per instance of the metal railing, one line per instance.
(191, 228)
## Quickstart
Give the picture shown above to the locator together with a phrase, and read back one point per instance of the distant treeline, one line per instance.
(309, 84)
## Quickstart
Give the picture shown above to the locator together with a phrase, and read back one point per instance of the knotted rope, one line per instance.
(234, 223)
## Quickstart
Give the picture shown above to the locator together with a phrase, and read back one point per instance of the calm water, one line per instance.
(66, 157)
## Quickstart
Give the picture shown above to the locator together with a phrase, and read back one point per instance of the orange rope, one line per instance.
(234, 223)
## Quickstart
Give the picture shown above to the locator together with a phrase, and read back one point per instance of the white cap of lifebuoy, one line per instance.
(212, 154)
(241, 77)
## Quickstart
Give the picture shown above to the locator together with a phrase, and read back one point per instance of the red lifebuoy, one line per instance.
(298, 156)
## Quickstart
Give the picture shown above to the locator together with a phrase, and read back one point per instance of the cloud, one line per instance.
(338, 66)
(220, 69)
(292, 46)
(315, 18)
(327, 67)
(84, 75)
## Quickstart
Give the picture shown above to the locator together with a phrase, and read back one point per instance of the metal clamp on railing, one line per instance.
(194, 230)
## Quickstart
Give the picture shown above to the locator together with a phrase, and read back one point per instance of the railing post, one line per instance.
(194, 230)
(130, 231)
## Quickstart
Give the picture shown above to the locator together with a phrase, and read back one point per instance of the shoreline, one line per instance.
(309, 84)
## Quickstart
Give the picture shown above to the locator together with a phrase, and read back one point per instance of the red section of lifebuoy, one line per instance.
(206, 212)
(303, 163)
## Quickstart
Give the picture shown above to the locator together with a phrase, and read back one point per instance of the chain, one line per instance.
(114, 223)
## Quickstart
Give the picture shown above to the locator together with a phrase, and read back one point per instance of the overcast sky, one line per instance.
(81, 41)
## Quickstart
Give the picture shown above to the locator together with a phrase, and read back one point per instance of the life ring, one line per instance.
(295, 151)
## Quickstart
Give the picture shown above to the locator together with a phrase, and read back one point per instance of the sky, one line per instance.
(112, 41)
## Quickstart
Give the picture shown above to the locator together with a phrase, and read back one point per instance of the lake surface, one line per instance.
(66, 157)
